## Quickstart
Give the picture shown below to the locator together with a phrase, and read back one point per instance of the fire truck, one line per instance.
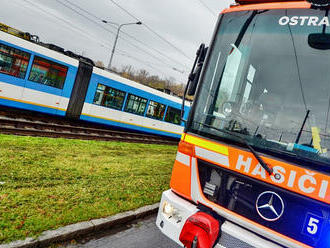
(252, 167)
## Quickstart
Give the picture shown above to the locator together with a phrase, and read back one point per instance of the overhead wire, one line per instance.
(156, 64)
(120, 52)
(83, 32)
(73, 27)
(124, 54)
(132, 44)
(69, 23)
(128, 35)
(207, 7)
(91, 20)
(82, 9)
(153, 31)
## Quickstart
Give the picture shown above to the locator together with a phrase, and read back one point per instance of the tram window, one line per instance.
(13, 62)
(109, 97)
(156, 110)
(48, 72)
(135, 104)
(173, 115)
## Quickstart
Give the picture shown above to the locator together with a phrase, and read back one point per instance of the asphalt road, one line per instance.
(143, 234)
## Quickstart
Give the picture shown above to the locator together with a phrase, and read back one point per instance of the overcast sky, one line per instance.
(76, 25)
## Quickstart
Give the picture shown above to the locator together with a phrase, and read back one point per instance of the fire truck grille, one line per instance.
(239, 194)
(228, 241)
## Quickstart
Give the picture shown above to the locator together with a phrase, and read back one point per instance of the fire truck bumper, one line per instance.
(174, 211)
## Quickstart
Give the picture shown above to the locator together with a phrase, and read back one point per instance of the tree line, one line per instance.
(144, 77)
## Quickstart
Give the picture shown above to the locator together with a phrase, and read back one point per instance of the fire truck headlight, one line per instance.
(168, 209)
(171, 212)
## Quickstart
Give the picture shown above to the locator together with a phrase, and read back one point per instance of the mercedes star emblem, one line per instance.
(270, 206)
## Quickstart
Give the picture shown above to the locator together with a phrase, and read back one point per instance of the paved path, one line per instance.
(143, 234)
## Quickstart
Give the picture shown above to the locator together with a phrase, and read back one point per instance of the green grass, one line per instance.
(47, 183)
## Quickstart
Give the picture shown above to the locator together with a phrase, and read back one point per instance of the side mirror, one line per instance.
(319, 41)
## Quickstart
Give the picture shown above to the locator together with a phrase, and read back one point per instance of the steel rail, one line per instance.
(31, 124)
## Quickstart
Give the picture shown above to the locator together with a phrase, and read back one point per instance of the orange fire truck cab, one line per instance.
(253, 165)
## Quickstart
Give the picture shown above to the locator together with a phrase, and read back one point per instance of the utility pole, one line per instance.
(117, 35)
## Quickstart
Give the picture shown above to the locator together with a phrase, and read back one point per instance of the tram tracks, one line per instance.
(29, 124)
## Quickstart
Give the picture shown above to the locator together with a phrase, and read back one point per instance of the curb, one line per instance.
(69, 232)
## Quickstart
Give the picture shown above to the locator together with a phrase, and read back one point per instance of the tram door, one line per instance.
(79, 90)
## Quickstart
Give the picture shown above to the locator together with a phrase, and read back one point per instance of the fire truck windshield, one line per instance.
(267, 80)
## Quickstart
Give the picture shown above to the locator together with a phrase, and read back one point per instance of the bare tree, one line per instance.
(99, 64)
(169, 82)
(127, 71)
(144, 77)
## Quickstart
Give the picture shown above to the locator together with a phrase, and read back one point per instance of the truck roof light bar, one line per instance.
(316, 3)
(242, 2)
(319, 3)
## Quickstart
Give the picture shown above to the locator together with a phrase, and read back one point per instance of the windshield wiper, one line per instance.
(244, 141)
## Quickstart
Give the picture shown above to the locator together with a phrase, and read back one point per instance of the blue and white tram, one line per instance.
(23, 66)
(36, 78)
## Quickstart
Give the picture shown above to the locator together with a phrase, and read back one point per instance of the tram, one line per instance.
(253, 164)
(45, 78)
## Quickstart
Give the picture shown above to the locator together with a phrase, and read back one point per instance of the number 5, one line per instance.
(312, 225)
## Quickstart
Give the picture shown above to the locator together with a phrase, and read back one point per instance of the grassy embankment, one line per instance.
(47, 183)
